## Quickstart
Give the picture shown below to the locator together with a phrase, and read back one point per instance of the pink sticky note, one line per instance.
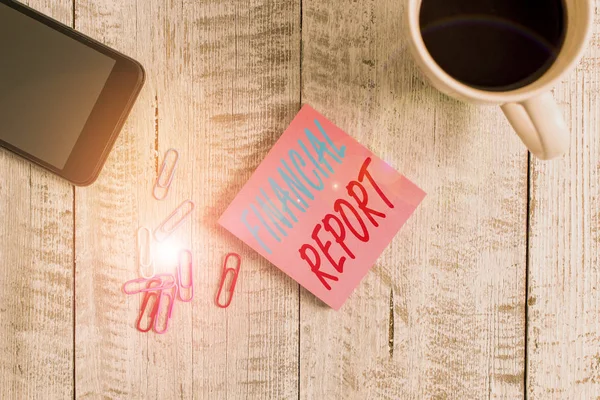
(321, 207)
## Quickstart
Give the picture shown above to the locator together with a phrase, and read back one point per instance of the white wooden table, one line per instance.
(489, 291)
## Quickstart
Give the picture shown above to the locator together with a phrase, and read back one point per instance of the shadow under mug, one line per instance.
(531, 110)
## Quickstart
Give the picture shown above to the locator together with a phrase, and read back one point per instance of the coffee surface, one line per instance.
(496, 45)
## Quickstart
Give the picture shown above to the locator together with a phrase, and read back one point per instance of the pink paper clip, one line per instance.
(150, 313)
(141, 285)
(174, 220)
(226, 271)
(167, 280)
(185, 262)
(166, 174)
(168, 310)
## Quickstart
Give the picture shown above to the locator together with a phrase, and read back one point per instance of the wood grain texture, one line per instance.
(112, 358)
(564, 276)
(246, 90)
(36, 291)
(222, 84)
(441, 315)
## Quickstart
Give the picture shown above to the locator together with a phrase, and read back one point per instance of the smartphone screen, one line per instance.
(49, 84)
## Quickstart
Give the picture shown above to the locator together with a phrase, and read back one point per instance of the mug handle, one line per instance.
(540, 125)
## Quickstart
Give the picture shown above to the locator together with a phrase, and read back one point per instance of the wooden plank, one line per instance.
(36, 249)
(441, 315)
(246, 90)
(111, 356)
(564, 302)
(222, 84)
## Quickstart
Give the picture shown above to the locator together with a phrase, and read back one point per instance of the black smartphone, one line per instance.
(64, 97)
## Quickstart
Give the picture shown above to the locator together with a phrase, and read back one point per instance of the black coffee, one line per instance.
(495, 45)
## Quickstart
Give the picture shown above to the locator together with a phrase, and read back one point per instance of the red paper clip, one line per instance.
(168, 310)
(226, 271)
(149, 312)
(187, 264)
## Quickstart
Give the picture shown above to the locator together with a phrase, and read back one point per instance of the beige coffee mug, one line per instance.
(531, 110)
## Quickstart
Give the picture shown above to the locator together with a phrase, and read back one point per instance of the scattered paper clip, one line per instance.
(168, 280)
(185, 262)
(141, 285)
(144, 250)
(165, 175)
(161, 291)
(148, 312)
(160, 294)
(160, 326)
(226, 271)
(174, 220)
